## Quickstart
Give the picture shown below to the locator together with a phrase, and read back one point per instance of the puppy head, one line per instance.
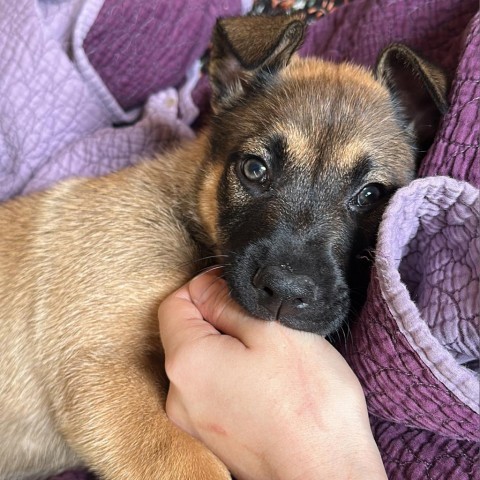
(304, 157)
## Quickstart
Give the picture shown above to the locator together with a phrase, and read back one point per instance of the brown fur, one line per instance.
(84, 268)
(85, 265)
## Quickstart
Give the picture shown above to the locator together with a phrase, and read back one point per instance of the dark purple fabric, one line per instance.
(360, 30)
(140, 47)
(415, 454)
(440, 31)
(456, 149)
(399, 386)
(407, 402)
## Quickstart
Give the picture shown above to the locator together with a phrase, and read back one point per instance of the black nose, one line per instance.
(282, 291)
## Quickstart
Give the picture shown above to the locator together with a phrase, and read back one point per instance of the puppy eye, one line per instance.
(369, 195)
(254, 170)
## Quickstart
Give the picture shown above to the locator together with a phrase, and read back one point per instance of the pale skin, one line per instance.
(272, 403)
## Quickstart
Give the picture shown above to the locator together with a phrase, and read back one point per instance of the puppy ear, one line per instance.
(418, 90)
(245, 47)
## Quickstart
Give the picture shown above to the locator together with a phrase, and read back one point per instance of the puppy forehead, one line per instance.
(330, 113)
(329, 78)
(312, 150)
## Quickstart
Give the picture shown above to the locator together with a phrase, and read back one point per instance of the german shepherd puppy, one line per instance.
(285, 186)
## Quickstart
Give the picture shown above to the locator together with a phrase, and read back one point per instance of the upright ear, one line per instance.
(418, 90)
(245, 47)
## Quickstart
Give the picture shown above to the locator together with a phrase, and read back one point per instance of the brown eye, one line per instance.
(369, 195)
(254, 170)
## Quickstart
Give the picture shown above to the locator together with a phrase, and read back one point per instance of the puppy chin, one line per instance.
(321, 320)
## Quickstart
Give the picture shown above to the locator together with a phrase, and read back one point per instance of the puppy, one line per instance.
(285, 186)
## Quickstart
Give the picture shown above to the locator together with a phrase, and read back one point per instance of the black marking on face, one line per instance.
(294, 236)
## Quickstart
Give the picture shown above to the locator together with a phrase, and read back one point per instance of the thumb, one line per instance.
(210, 295)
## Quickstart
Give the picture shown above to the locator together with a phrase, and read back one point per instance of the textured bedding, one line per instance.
(60, 100)
(91, 86)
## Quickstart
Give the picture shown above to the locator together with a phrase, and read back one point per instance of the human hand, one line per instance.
(271, 402)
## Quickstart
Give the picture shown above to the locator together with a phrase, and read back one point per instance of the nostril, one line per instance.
(261, 282)
(257, 278)
(268, 291)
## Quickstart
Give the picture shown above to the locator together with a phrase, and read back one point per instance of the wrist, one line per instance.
(359, 460)
(351, 469)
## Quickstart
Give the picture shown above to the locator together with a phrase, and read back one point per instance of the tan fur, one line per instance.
(84, 268)
(207, 201)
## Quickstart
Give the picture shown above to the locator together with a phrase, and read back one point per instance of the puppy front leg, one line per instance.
(113, 415)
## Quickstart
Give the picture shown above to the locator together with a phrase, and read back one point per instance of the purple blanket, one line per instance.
(62, 90)
(71, 71)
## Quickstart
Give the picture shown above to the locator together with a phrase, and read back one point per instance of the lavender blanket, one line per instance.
(90, 86)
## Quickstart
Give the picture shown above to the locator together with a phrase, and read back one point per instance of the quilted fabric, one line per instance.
(440, 264)
(58, 118)
(416, 454)
(61, 106)
(409, 377)
(146, 66)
